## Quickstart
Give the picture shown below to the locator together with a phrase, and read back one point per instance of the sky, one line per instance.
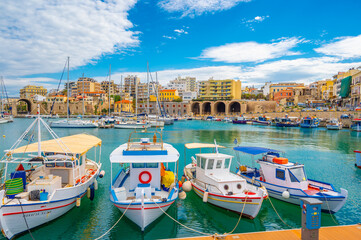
(255, 41)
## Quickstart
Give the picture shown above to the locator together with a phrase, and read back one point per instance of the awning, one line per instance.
(254, 150)
(76, 144)
(201, 145)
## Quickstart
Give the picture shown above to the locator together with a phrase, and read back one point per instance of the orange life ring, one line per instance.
(83, 179)
(149, 177)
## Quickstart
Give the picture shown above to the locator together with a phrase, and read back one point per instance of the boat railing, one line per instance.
(205, 185)
(136, 140)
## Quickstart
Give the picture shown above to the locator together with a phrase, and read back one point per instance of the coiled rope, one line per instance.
(115, 222)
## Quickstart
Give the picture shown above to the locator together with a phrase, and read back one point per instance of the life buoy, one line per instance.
(149, 177)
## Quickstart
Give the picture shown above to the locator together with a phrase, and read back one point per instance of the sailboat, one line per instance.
(5, 117)
(77, 123)
(45, 184)
(146, 185)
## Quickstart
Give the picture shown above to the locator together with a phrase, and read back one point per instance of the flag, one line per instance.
(29, 137)
(215, 143)
(235, 141)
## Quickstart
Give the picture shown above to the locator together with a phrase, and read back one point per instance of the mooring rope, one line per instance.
(278, 214)
(329, 208)
(114, 223)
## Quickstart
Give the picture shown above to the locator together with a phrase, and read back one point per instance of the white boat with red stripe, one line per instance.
(212, 180)
(49, 183)
(146, 183)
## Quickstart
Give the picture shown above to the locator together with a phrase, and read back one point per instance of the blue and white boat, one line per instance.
(309, 122)
(287, 181)
(286, 122)
(262, 121)
(146, 184)
(356, 124)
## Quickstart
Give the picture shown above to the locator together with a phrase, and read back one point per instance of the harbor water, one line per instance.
(328, 156)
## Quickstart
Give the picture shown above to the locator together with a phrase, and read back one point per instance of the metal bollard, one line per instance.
(311, 218)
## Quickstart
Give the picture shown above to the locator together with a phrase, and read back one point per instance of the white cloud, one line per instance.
(169, 37)
(36, 36)
(250, 22)
(193, 8)
(344, 47)
(180, 31)
(251, 51)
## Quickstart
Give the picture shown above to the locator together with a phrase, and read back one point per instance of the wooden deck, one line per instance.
(349, 232)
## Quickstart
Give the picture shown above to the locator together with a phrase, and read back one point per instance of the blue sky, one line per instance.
(252, 40)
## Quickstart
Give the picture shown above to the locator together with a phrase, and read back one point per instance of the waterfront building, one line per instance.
(73, 88)
(142, 92)
(327, 89)
(342, 99)
(274, 88)
(165, 95)
(220, 89)
(85, 84)
(356, 89)
(283, 94)
(129, 84)
(30, 91)
(187, 84)
(123, 106)
(114, 88)
(189, 96)
(57, 99)
(170, 108)
(266, 88)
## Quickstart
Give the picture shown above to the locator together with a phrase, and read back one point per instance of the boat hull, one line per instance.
(330, 204)
(144, 215)
(261, 123)
(131, 126)
(235, 204)
(239, 122)
(356, 128)
(287, 125)
(72, 125)
(334, 127)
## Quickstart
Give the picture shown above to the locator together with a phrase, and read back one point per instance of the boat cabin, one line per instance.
(213, 170)
(278, 170)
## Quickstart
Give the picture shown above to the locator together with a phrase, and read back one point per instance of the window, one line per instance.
(151, 165)
(219, 164)
(297, 174)
(280, 174)
(210, 163)
(138, 165)
(226, 163)
(203, 163)
(198, 161)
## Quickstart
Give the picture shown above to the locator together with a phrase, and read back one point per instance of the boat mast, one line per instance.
(148, 90)
(83, 95)
(67, 94)
(129, 88)
(136, 100)
(39, 133)
(2, 94)
(110, 66)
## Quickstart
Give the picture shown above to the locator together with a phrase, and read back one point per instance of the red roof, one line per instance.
(168, 90)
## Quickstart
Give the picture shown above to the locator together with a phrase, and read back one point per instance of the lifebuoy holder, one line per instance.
(149, 177)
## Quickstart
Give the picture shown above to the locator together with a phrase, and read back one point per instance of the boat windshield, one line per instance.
(297, 174)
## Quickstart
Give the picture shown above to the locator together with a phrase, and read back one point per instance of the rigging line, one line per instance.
(240, 216)
(115, 222)
(269, 198)
(26, 222)
(57, 90)
(328, 208)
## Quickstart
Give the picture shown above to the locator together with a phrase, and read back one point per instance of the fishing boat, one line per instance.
(334, 124)
(227, 120)
(38, 188)
(240, 120)
(146, 184)
(356, 124)
(261, 120)
(287, 181)
(358, 158)
(309, 122)
(211, 179)
(132, 124)
(286, 122)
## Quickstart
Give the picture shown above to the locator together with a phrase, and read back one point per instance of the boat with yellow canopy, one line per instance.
(43, 180)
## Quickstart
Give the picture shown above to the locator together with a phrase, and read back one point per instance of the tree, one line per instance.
(178, 100)
(104, 111)
(116, 98)
(96, 109)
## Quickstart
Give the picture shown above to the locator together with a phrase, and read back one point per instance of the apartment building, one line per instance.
(274, 88)
(88, 85)
(30, 91)
(220, 89)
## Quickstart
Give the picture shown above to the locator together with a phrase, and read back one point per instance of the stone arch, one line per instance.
(27, 107)
(220, 108)
(234, 107)
(207, 108)
(196, 108)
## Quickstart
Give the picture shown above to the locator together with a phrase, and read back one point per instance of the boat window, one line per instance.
(151, 165)
(280, 174)
(226, 163)
(219, 164)
(50, 164)
(60, 164)
(68, 165)
(198, 161)
(203, 163)
(210, 163)
(297, 174)
(138, 165)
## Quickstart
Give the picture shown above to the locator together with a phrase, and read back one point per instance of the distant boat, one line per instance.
(240, 120)
(356, 124)
(358, 158)
(334, 124)
(132, 124)
(309, 122)
(287, 181)
(286, 122)
(262, 121)
(145, 186)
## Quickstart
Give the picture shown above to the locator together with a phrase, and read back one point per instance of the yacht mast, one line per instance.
(67, 94)
(39, 133)
(83, 95)
(136, 100)
(110, 66)
(2, 95)
(148, 90)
